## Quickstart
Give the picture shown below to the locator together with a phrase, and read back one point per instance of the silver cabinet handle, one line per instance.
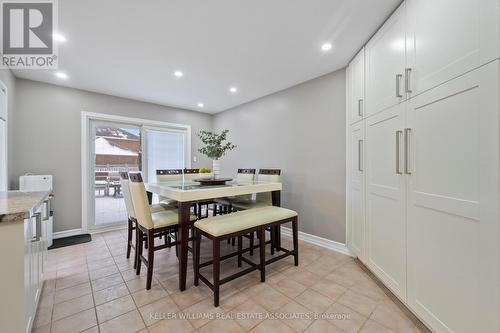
(407, 151)
(360, 161)
(360, 107)
(398, 85)
(408, 80)
(38, 227)
(47, 210)
(399, 133)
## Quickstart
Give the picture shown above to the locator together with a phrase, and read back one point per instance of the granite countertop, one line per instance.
(16, 205)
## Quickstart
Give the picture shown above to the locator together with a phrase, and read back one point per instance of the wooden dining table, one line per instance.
(188, 192)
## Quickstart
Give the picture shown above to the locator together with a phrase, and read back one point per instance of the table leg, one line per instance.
(276, 199)
(184, 210)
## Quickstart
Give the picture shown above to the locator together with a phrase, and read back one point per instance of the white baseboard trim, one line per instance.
(319, 241)
(67, 233)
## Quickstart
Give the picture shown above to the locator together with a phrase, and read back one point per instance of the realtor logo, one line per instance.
(27, 34)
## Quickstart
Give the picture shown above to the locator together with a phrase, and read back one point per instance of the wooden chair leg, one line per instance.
(262, 248)
(240, 249)
(151, 257)
(129, 237)
(136, 253)
(216, 269)
(138, 249)
(295, 232)
(251, 243)
(196, 258)
(214, 211)
(272, 240)
(233, 241)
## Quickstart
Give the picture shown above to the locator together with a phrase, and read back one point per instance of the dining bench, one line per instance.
(222, 227)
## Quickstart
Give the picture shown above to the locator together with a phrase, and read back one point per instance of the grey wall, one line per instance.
(300, 130)
(45, 137)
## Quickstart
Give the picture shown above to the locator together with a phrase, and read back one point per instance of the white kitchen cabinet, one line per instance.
(385, 58)
(447, 38)
(357, 87)
(453, 203)
(386, 198)
(432, 171)
(356, 189)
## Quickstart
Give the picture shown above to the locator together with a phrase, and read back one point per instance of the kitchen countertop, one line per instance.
(16, 205)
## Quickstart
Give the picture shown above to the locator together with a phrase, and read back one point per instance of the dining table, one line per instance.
(189, 192)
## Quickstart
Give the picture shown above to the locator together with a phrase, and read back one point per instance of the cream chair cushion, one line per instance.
(167, 218)
(266, 196)
(128, 200)
(221, 225)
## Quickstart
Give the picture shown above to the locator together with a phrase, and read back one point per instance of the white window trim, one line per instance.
(86, 117)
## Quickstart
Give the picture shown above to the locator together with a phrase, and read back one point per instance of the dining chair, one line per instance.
(168, 175)
(132, 221)
(225, 205)
(261, 200)
(150, 225)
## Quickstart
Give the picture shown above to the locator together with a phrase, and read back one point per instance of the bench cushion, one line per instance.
(167, 218)
(221, 225)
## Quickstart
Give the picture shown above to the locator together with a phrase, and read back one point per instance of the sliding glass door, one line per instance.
(115, 146)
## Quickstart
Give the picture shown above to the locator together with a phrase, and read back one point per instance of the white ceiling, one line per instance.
(131, 48)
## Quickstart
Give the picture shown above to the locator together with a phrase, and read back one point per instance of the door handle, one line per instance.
(399, 133)
(398, 85)
(408, 80)
(360, 107)
(360, 163)
(407, 151)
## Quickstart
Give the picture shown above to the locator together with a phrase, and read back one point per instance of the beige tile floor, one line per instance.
(92, 288)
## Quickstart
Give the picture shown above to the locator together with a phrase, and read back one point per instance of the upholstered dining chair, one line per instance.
(150, 225)
(132, 221)
(168, 175)
(261, 200)
(225, 205)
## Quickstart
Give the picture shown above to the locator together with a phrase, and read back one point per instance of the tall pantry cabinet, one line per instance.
(428, 223)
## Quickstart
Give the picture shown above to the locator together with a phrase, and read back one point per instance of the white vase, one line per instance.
(216, 168)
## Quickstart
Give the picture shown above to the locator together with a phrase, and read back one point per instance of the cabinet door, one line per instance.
(357, 87)
(385, 198)
(28, 309)
(385, 64)
(357, 189)
(447, 38)
(453, 204)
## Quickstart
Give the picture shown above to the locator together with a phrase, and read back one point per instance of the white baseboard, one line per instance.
(67, 233)
(319, 241)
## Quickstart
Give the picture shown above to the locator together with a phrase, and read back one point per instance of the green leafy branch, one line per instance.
(215, 145)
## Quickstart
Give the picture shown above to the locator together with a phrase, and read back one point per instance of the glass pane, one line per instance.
(116, 148)
(165, 149)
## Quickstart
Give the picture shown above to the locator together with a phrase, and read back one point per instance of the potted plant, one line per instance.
(215, 147)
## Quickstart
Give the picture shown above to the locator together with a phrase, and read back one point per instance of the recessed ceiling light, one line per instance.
(326, 47)
(200, 105)
(58, 37)
(178, 74)
(62, 75)
(233, 90)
